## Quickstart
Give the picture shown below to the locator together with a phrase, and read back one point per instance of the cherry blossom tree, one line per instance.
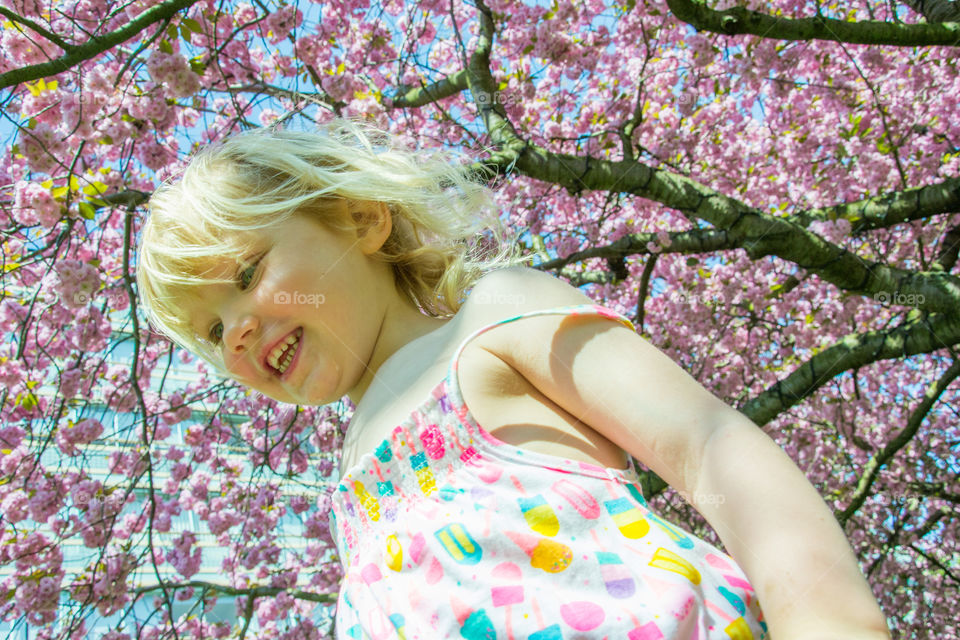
(770, 188)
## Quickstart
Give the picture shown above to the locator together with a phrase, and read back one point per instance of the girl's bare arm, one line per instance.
(784, 537)
(771, 520)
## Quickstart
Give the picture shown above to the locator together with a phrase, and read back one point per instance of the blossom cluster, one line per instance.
(70, 435)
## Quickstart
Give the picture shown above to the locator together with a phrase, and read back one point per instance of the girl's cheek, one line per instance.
(231, 364)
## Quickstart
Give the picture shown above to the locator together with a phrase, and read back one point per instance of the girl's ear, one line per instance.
(374, 223)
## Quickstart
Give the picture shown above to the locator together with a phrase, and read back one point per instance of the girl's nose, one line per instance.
(241, 334)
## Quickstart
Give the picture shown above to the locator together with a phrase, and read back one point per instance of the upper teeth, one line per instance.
(288, 345)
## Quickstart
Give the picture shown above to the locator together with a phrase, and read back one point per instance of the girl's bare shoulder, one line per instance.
(508, 292)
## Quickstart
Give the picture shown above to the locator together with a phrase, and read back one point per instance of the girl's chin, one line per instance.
(307, 401)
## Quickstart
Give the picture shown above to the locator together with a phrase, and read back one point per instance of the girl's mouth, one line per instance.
(284, 356)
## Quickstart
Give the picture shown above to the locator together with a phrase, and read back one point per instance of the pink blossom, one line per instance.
(14, 506)
(280, 23)
(34, 204)
(11, 437)
(244, 13)
(184, 559)
(173, 71)
(180, 471)
(75, 283)
(70, 381)
(299, 504)
(105, 583)
(24, 50)
(83, 492)
(84, 432)
(90, 330)
(42, 146)
(179, 411)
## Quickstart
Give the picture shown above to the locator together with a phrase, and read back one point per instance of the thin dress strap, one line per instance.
(453, 378)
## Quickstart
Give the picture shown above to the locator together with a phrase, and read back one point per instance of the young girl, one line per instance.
(485, 491)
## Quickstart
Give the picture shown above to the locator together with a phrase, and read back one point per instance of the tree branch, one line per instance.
(949, 250)
(644, 287)
(760, 234)
(871, 213)
(739, 20)
(420, 96)
(247, 616)
(129, 198)
(95, 45)
(936, 10)
(483, 89)
(936, 490)
(891, 208)
(30, 24)
(877, 460)
(920, 334)
(936, 562)
(252, 592)
(693, 241)
(289, 94)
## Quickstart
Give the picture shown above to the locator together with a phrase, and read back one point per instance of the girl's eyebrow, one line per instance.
(246, 261)
(230, 267)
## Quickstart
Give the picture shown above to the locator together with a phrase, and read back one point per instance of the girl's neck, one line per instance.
(402, 324)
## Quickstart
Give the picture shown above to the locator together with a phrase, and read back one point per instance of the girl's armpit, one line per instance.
(620, 385)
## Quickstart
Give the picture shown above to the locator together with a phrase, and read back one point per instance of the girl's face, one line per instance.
(301, 321)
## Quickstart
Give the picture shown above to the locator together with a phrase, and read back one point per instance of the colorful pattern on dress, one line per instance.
(446, 532)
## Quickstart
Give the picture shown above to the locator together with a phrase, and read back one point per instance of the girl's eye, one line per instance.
(216, 333)
(247, 275)
(244, 279)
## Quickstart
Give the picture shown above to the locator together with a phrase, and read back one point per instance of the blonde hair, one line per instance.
(260, 178)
